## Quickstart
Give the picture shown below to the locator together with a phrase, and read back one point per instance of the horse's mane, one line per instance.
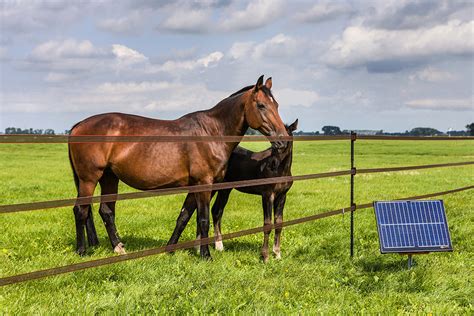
(240, 91)
(263, 88)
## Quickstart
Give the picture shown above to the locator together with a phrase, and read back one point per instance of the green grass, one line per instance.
(315, 274)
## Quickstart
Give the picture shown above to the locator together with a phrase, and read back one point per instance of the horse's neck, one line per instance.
(229, 117)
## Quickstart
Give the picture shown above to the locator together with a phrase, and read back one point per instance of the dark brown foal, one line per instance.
(148, 166)
(248, 165)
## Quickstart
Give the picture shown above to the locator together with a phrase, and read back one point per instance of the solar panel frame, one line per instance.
(403, 229)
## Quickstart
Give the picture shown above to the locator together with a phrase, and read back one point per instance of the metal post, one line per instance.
(410, 261)
(353, 205)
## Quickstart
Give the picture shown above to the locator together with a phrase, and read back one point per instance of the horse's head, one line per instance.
(261, 111)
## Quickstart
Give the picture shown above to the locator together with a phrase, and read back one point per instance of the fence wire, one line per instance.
(189, 244)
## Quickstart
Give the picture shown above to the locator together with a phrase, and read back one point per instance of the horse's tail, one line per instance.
(74, 173)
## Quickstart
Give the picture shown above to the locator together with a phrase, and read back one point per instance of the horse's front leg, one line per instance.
(203, 200)
(278, 207)
(267, 203)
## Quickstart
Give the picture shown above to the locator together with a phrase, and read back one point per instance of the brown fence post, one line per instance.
(353, 205)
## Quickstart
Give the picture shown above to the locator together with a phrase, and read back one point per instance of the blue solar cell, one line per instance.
(412, 226)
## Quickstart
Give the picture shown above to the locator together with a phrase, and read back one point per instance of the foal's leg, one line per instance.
(203, 200)
(278, 207)
(81, 213)
(267, 203)
(187, 211)
(217, 211)
(109, 185)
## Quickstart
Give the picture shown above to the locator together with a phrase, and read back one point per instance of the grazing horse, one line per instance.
(149, 166)
(248, 165)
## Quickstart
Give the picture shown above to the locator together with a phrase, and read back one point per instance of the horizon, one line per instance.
(359, 65)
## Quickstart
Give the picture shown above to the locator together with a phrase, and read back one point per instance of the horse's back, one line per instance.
(142, 165)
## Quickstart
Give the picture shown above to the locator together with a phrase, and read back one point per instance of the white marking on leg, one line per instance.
(277, 252)
(120, 249)
(219, 245)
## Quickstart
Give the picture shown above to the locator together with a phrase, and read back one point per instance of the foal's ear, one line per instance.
(259, 83)
(268, 83)
(293, 126)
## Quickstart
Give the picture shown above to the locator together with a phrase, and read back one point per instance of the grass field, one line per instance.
(314, 275)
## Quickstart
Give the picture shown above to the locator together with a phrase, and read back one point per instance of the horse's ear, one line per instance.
(259, 83)
(293, 126)
(268, 83)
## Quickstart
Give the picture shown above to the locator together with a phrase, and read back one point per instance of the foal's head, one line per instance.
(280, 160)
(261, 111)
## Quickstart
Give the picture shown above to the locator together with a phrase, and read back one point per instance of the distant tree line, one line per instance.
(417, 131)
(15, 130)
(327, 130)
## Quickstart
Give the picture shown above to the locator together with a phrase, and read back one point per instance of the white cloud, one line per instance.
(187, 21)
(132, 23)
(172, 66)
(430, 74)
(279, 46)
(69, 48)
(127, 57)
(240, 50)
(413, 14)
(323, 11)
(73, 59)
(362, 46)
(3, 53)
(22, 17)
(287, 97)
(256, 14)
(442, 104)
(130, 97)
(54, 77)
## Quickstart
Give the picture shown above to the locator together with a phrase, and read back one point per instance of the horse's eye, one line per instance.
(260, 106)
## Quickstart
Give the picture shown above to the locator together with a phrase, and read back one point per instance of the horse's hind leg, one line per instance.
(109, 185)
(81, 213)
(90, 229)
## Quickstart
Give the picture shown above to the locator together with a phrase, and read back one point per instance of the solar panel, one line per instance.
(412, 226)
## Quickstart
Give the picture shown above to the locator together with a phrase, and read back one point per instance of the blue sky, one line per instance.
(391, 65)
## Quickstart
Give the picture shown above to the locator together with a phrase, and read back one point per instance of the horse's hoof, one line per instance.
(120, 249)
(93, 243)
(206, 255)
(219, 246)
(81, 252)
(265, 259)
(277, 253)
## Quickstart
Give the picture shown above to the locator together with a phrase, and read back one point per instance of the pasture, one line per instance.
(314, 275)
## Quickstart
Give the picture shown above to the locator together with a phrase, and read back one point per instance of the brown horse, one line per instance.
(148, 166)
(248, 165)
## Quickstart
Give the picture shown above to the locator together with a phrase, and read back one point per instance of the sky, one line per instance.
(380, 65)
